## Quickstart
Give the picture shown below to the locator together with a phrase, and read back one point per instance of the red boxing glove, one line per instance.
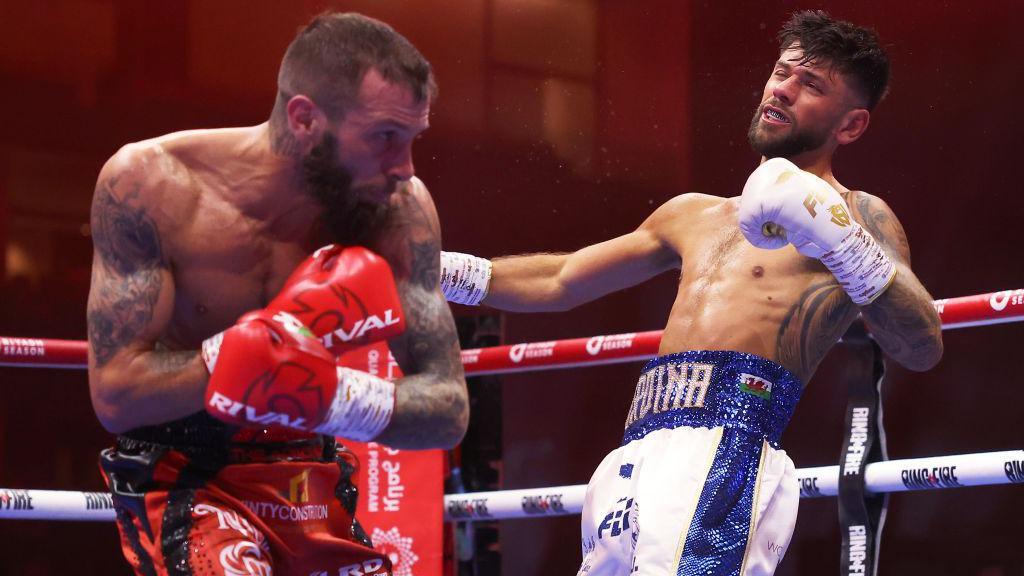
(268, 369)
(345, 295)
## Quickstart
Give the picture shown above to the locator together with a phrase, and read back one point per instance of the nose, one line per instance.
(400, 166)
(786, 90)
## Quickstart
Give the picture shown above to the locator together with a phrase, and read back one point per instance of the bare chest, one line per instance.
(714, 251)
(221, 270)
(777, 304)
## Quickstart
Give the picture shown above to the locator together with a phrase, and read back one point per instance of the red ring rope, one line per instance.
(978, 310)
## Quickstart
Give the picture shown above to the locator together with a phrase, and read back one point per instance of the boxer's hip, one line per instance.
(712, 388)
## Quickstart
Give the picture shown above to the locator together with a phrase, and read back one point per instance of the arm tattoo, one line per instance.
(127, 283)
(886, 229)
(425, 264)
(431, 401)
(897, 323)
(812, 326)
(902, 319)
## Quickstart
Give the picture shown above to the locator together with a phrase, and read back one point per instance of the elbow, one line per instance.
(452, 430)
(458, 422)
(926, 357)
(109, 402)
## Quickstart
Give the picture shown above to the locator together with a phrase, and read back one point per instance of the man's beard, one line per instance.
(795, 142)
(346, 218)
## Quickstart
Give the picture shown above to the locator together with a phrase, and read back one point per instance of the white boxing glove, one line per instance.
(781, 204)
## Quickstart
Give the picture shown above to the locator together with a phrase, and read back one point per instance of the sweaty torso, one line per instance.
(732, 296)
(227, 250)
(224, 259)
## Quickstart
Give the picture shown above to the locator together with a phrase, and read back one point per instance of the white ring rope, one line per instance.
(939, 472)
(963, 470)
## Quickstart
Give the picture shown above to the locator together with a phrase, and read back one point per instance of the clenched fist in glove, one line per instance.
(781, 204)
(269, 369)
(345, 295)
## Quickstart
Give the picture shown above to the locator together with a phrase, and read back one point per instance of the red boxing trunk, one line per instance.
(182, 515)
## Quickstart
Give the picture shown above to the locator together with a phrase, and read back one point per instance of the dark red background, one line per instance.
(560, 123)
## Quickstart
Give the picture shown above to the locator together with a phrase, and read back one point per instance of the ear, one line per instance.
(306, 121)
(852, 125)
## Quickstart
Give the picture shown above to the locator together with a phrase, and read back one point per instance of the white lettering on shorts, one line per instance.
(230, 520)
(686, 387)
(244, 559)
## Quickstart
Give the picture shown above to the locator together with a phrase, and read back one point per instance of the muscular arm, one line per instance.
(431, 401)
(554, 282)
(903, 319)
(130, 300)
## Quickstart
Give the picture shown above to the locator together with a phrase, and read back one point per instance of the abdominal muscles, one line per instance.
(775, 304)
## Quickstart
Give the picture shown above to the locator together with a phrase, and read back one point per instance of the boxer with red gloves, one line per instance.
(227, 462)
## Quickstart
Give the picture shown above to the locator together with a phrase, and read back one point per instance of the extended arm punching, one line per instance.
(554, 282)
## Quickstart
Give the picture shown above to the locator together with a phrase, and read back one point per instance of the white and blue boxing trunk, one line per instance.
(699, 485)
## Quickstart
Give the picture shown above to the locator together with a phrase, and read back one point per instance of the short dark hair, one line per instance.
(852, 50)
(329, 57)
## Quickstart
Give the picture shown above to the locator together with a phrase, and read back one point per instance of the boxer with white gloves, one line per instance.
(700, 484)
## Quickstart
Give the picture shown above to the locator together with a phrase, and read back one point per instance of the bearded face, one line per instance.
(773, 141)
(347, 218)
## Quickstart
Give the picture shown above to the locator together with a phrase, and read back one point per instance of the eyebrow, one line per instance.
(813, 75)
(390, 123)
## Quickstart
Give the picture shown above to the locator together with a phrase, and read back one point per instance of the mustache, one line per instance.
(774, 103)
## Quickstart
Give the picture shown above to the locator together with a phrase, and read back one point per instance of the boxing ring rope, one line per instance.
(939, 472)
(978, 310)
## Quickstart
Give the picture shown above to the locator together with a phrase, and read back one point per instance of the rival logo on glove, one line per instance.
(361, 327)
(225, 405)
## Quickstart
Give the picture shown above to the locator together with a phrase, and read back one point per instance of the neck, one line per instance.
(817, 162)
(278, 197)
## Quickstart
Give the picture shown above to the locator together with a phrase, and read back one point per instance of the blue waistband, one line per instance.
(709, 388)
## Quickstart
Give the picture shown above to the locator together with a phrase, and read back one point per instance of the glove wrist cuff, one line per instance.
(464, 278)
(362, 407)
(210, 350)
(861, 266)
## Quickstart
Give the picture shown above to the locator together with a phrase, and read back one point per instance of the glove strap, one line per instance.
(464, 277)
(861, 266)
(362, 406)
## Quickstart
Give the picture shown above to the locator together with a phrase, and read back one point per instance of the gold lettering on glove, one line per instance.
(813, 199)
(839, 215)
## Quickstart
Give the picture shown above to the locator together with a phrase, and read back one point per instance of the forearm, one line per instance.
(528, 283)
(429, 413)
(904, 322)
(147, 388)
